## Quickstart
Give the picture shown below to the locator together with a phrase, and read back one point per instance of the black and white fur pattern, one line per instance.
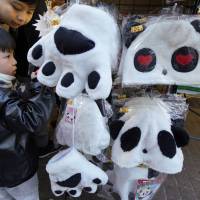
(166, 52)
(70, 171)
(145, 136)
(80, 53)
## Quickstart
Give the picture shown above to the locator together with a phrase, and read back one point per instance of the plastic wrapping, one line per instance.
(160, 50)
(91, 135)
(177, 104)
(122, 98)
(137, 189)
(146, 189)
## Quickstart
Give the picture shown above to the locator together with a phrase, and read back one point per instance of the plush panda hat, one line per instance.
(145, 136)
(166, 52)
(80, 53)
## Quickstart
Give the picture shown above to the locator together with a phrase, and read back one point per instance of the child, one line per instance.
(16, 13)
(20, 120)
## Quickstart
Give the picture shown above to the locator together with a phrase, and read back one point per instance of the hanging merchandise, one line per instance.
(145, 135)
(124, 179)
(69, 171)
(80, 53)
(91, 135)
(161, 50)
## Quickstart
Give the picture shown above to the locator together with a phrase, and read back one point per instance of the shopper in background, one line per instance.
(25, 38)
(16, 13)
(21, 119)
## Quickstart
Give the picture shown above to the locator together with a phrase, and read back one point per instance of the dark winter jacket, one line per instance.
(20, 120)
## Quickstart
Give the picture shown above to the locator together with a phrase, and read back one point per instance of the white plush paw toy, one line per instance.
(69, 171)
(91, 135)
(80, 53)
(165, 52)
(145, 136)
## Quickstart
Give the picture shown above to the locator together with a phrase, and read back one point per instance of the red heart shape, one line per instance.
(184, 59)
(144, 60)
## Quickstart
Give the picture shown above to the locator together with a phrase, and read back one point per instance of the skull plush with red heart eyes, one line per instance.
(80, 53)
(166, 52)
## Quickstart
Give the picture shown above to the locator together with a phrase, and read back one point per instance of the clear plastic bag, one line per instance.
(177, 104)
(146, 189)
(83, 126)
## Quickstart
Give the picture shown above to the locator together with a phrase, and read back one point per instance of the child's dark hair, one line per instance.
(35, 2)
(7, 43)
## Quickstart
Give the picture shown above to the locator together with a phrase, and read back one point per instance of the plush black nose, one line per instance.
(70, 42)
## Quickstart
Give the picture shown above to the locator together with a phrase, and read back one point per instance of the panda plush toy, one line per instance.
(165, 51)
(80, 53)
(146, 136)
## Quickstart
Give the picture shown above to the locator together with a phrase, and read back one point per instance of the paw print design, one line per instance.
(79, 54)
(69, 171)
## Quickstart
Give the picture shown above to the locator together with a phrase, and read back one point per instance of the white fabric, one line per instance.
(90, 132)
(151, 116)
(95, 24)
(163, 37)
(6, 80)
(70, 162)
(125, 178)
(26, 191)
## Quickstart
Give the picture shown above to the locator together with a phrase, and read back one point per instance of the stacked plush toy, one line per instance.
(77, 55)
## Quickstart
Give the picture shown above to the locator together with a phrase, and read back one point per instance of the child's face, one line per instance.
(7, 63)
(15, 13)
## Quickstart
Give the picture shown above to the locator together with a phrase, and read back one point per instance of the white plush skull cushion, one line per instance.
(145, 137)
(70, 171)
(91, 134)
(166, 52)
(80, 53)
